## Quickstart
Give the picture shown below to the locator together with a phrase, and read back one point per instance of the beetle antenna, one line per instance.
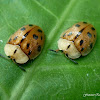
(19, 65)
(65, 55)
(15, 62)
(71, 59)
(54, 50)
(4, 56)
(21, 68)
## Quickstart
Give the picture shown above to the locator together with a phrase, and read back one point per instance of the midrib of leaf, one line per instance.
(7, 21)
(59, 23)
(46, 9)
(20, 88)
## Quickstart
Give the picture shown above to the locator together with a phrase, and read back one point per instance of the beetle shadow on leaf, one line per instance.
(27, 64)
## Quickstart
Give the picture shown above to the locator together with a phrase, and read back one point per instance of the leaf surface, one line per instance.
(51, 76)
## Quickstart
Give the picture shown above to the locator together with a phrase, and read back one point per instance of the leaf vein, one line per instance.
(64, 16)
(50, 12)
(7, 22)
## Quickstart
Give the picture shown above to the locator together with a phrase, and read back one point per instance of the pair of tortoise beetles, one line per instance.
(28, 41)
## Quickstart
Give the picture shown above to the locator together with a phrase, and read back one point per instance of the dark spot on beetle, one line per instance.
(82, 49)
(39, 30)
(22, 40)
(91, 45)
(89, 34)
(28, 45)
(81, 42)
(68, 46)
(94, 36)
(14, 60)
(61, 50)
(29, 52)
(70, 33)
(30, 25)
(15, 51)
(9, 39)
(79, 33)
(85, 22)
(77, 25)
(81, 30)
(41, 37)
(64, 34)
(39, 48)
(93, 28)
(35, 37)
(73, 41)
(15, 37)
(22, 29)
(66, 54)
(9, 56)
(76, 36)
(26, 34)
(19, 44)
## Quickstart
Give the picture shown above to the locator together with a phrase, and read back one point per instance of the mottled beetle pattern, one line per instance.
(78, 40)
(25, 44)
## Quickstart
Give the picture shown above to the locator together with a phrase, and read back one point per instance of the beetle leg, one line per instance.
(54, 50)
(4, 56)
(21, 68)
(19, 65)
(71, 59)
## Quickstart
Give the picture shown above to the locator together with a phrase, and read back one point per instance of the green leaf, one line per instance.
(51, 76)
